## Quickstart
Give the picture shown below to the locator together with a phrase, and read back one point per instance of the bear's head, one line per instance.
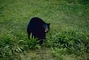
(46, 27)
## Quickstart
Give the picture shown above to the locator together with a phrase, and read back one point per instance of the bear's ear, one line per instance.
(48, 23)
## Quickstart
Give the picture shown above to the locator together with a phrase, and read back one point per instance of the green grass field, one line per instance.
(68, 38)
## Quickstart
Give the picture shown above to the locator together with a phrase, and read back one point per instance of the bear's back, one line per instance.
(36, 20)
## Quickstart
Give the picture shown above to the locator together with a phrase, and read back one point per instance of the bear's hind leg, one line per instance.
(29, 32)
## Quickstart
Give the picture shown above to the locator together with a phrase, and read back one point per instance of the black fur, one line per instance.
(37, 27)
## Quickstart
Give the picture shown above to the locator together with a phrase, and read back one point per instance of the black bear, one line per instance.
(38, 28)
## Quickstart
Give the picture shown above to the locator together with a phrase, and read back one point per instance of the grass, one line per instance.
(69, 30)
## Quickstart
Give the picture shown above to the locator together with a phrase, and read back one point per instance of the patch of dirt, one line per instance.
(39, 54)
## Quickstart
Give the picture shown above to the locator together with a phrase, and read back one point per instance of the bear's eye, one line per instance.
(45, 26)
